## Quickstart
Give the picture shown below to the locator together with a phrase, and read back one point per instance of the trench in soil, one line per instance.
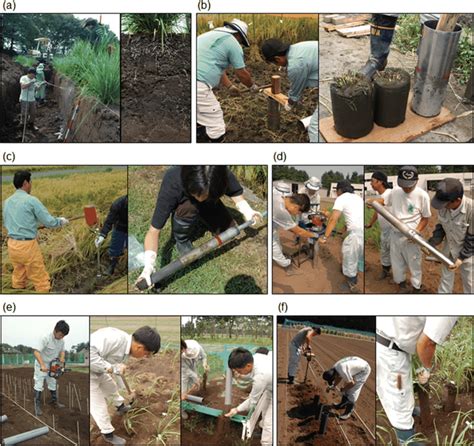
(65, 419)
(200, 429)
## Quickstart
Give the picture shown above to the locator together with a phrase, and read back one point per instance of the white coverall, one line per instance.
(456, 223)
(281, 220)
(398, 403)
(262, 387)
(408, 208)
(109, 347)
(353, 369)
(209, 112)
(190, 359)
(352, 207)
(295, 350)
(314, 202)
(49, 348)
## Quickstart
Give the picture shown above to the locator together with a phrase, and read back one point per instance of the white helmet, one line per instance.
(236, 26)
(282, 187)
(313, 183)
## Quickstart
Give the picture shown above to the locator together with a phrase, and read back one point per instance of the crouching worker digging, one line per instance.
(256, 369)
(353, 372)
(110, 348)
(50, 348)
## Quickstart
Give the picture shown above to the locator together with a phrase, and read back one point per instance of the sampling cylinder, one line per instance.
(196, 253)
(194, 399)
(228, 387)
(3, 419)
(409, 233)
(436, 54)
(323, 423)
(25, 436)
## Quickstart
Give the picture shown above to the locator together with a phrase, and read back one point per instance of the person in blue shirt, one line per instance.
(22, 215)
(302, 63)
(217, 50)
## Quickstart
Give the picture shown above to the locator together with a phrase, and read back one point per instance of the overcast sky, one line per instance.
(318, 171)
(113, 20)
(27, 330)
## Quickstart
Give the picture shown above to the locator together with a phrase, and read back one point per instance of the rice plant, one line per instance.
(461, 431)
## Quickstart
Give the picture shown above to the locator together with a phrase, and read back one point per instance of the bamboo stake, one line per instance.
(78, 436)
(77, 396)
(54, 424)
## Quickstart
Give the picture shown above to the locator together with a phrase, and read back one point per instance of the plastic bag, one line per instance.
(136, 254)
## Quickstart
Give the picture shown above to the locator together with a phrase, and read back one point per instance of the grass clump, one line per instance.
(351, 84)
(25, 61)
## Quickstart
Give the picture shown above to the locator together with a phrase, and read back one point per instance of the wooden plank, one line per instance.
(329, 27)
(413, 127)
(356, 31)
(280, 97)
(328, 17)
(350, 18)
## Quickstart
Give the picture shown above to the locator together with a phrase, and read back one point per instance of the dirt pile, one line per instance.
(10, 73)
(156, 89)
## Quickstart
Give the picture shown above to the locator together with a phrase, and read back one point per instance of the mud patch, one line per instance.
(156, 89)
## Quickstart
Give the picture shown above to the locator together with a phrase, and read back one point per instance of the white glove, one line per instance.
(99, 240)
(119, 369)
(423, 374)
(288, 107)
(254, 88)
(248, 213)
(149, 268)
(63, 221)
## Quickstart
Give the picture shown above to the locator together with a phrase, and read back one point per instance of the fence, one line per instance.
(327, 328)
(19, 359)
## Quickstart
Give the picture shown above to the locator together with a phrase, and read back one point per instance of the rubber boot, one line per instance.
(382, 29)
(403, 287)
(123, 408)
(181, 230)
(38, 410)
(416, 290)
(54, 400)
(201, 135)
(352, 284)
(385, 273)
(291, 379)
(404, 436)
(342, 404)
(348, 412)
(114, 439)
(112, 265)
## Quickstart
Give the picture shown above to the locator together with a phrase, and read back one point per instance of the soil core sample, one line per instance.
(352, 105)
(391, 88)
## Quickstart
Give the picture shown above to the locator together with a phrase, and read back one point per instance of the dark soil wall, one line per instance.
(10, 73)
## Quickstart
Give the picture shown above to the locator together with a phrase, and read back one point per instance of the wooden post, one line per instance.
(276, 84)
(273, 122)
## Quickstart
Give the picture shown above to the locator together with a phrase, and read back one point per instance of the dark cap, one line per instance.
(32, 70)
(273, 47)
(407, 176)
(329, 375)
(447, 190)
(345, 186)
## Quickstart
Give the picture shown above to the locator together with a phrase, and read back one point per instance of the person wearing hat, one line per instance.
(379, 183)
(41, 87)
(456, 229)
(311, 189)
(216, 51)
(398, 339)
(411, 205)
(285, 207)
(301, 343)
(28, 86)
(351, 206)
(302, 63)
(353, 372)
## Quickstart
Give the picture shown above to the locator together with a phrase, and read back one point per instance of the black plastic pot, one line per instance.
(391, 99)
(353, 112)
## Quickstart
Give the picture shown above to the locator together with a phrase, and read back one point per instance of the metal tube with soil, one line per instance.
(449, 399)
(436, 54)
(324, 422)
(425, 407)
(195, 399)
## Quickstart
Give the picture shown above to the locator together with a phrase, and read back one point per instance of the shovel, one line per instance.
(130, 393)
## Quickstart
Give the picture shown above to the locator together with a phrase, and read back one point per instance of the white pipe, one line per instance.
(194, 399)
(228, 387)
(25, 436)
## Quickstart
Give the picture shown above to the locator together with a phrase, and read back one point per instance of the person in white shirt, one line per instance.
(411, 205)
(50, 347)
(110, 349)
(28, 86)
(311, 188)
(192, 354)
(285, 207)
(353, 372)
(379, 183)
(351, 206)
(257, 368)
(398, 338)
(300, 343)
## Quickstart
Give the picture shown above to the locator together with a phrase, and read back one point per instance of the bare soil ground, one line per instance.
(431, 270)
(246, 116)
(338, 54)
(156, 383)
(156, 89)
(296, 422)
(65, 420)
(200, 429)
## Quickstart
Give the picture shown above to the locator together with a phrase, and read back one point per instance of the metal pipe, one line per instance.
(409, 233)
(25, 436)
(228, 387)
(276, 84)
(273, 120)
(3, 419)
(323, 423)
(196, 254)
(436, 54)
(194, 399)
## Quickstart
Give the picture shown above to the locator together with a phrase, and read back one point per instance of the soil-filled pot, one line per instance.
(391, 88)
(352, 106)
